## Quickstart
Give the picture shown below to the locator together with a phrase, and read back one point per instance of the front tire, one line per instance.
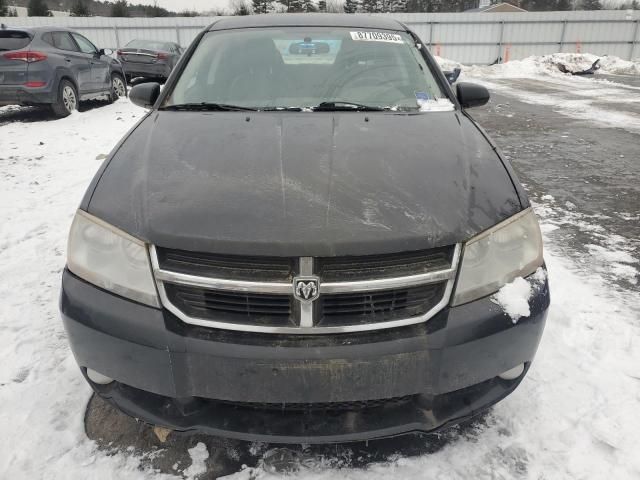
(67, 100)
(118, 88)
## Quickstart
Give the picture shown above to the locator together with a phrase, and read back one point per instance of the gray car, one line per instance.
(56, 67)
(149, 58)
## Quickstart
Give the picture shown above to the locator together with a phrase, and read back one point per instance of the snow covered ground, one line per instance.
(576, 415)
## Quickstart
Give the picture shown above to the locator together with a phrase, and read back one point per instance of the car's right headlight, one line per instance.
(511, 249)
(111, 259)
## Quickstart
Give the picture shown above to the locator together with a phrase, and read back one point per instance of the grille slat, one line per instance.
(326, 406)
(372, 307)
(234, 307)
(344, 269)
(245, 309)
(222, 298)
(227, 266)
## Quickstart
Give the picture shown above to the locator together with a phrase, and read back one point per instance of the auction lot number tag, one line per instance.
(376, 37)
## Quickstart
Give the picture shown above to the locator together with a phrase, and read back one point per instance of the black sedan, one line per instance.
(149, 58)
(303, 245)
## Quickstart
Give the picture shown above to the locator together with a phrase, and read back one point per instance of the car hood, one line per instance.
(303, 184)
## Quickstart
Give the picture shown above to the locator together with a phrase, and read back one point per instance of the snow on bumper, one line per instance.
(451, 361)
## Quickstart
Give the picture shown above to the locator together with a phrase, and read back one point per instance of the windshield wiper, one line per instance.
(280, 109)
(346, 106)
(206, 106)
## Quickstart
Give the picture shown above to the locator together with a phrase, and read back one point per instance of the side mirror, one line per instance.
(145, 94)
(471, 95)
(105, 51)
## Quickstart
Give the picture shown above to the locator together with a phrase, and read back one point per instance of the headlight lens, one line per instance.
(494, 258)
(111, 259)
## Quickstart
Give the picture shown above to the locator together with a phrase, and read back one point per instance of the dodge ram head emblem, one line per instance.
(306, 289)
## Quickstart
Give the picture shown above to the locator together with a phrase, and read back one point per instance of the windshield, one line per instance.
(302, 67)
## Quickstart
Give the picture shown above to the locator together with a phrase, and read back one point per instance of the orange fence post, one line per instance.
(578, 47)
(437, 49)
(507, 53)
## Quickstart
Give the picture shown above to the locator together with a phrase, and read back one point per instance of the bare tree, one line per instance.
(334, 6)
(240, 7)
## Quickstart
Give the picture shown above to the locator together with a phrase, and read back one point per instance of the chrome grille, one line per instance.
(381, 306)
(233, 307)
(338, 294)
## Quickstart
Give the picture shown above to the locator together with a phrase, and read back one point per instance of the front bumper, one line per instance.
(226, 383)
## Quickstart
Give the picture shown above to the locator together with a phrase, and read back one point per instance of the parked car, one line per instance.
(56, 67)
(149, 58)
(303, 245)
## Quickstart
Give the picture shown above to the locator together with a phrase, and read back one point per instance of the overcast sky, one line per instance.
(179, 5)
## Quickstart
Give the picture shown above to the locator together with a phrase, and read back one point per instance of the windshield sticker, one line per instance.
(376, 37)
(422, 97)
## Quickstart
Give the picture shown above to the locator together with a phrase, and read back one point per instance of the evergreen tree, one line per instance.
(38, 8)
(371, 6)
(635, 5)
(262, 6)
(4, 10)
(322, 6)
(79, 9)
(292, 6)
(351, 6)
(396, 6)
(563, 5)
(590, 5)
(120, 9)
(12, 12)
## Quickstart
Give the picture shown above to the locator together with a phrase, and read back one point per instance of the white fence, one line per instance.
(479, 38)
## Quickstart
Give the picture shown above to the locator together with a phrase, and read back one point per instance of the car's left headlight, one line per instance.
(512, 248)
(111, 259)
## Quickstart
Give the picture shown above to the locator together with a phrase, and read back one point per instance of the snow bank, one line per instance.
(514, 297)
(545, 65)
(447, 64)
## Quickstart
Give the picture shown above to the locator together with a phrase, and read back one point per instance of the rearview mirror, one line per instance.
(471, 95)
(145, 94)
(105, 51)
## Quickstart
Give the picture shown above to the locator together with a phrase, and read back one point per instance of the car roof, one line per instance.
(307, 20)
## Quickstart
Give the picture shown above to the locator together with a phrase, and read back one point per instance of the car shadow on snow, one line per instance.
(15, 113)
(117, 433)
